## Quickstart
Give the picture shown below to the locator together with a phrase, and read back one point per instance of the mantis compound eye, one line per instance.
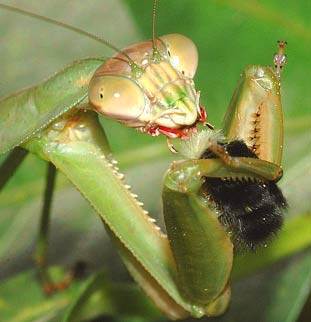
(117, 97)
(183, 53)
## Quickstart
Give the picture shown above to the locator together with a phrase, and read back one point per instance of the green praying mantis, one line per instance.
(188, 271)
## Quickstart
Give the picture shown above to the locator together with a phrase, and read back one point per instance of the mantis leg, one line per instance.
(234, 167)
(11, 163)
(42, 243)
(80, 150)
(255, 113)
(41, 249)
(196, 238)
(40, 255)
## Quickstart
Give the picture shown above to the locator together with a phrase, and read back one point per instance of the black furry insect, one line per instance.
(251, 211)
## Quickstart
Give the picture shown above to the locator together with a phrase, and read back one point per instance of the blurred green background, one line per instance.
(229, 35)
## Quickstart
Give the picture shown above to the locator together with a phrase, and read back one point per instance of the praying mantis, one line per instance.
(75, 125)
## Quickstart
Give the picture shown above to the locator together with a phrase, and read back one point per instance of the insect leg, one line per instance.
(170, 145)
(40, 255)
(11, 163)
(42, 241)
(251, 166)
(255, 112)
(193, 229)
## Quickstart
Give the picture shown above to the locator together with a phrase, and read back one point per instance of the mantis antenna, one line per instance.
(154, 12)
(69, 27)
(156, 54)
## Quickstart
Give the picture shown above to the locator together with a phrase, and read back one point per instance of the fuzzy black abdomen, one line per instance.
(251, 211)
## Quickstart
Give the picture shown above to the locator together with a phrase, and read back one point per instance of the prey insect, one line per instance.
(250, 209)
(188, 271)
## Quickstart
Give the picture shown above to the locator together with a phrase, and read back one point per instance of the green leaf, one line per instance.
(277, 293)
